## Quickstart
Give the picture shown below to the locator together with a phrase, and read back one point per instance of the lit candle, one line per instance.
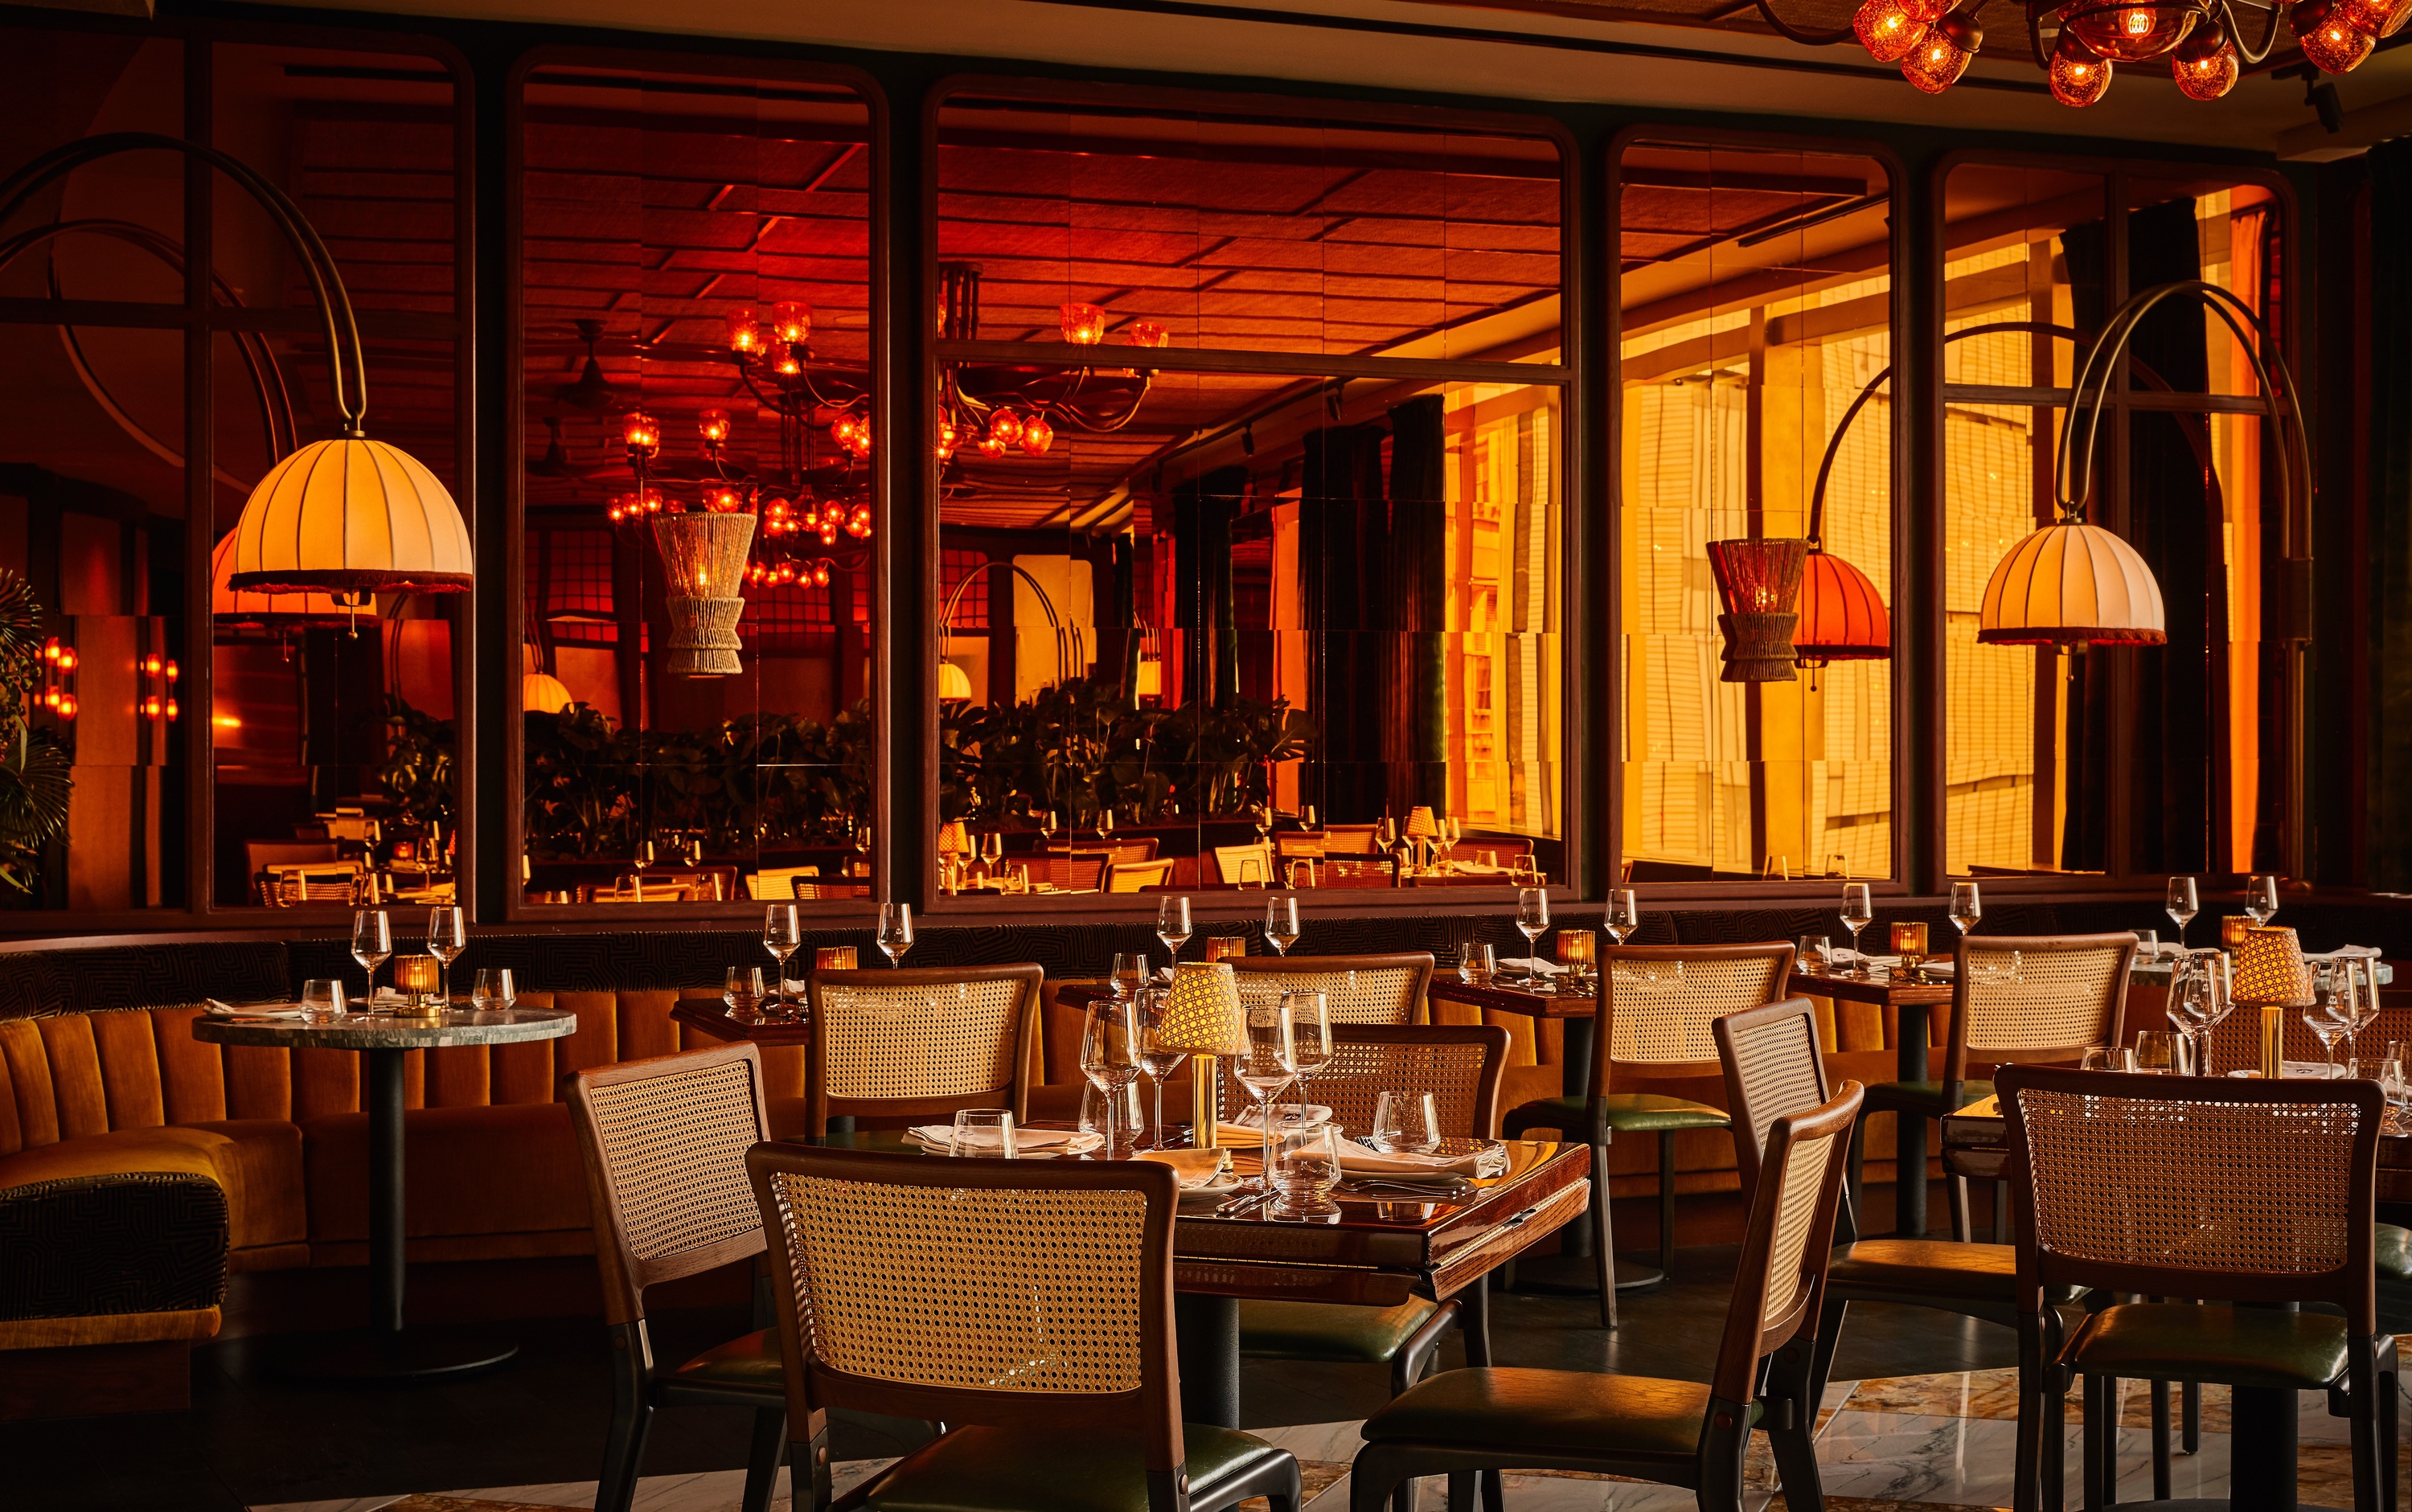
(414, 977)
(2232, 928)
(834, 957)
(1909, 942)
(1225, 947)
(1578, 949)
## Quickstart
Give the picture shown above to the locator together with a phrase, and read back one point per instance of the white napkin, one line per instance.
(1547, 968)
(1252, 1120)
(1940, 968)
(227, 1010)
(2346, 952)
(1363, 1160)
(941, 1137)
(1196, 1169)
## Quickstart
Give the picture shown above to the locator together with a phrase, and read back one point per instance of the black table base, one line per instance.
(373, 1357)
(1572, 1275)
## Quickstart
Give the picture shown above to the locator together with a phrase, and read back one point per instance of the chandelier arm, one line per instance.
(2257, 54)
(1794, 34)
(326, 281)
(2035, 37)
(1146, 382)
(746, 376)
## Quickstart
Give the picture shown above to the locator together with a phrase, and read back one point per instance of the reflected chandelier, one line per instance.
(2206, 44)
(997, 408)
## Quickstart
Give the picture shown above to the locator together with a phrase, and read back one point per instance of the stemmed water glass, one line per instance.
(1532, 920)
(1858, 912)
(1158, 1060)
(1172, 925)
(2261, 899)
(992, 853)
(895, 935)
(1281, 923)
(2182, 906)
(782, 936)
(2340, 988)
(1110, 1058)
(1310, 1028)
(2326, 1019)
(447, 935)
(2199, 1000)
(1265, 1066)
(371, 947)
(1968, 907)
(1624, 915)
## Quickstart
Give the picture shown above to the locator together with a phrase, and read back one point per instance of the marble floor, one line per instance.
(1908, 1444)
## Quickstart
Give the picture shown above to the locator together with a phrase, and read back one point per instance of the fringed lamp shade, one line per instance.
(232, 608)
(1758, 582)
(2072, 584)
(1843, 617)
(2270, 970)
(704, 560)
(353, 517)
(541, 693)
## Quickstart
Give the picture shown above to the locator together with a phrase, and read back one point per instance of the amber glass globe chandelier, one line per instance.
(2079, 44)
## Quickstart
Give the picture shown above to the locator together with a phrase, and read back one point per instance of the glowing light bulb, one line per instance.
(789, 367)
(820, 573)
(1005, 427)
(174, 710)
(745, 334)
(991, 447)
(791, 321)
(949, 437)
(68, 660)
(1084, 325)
(713, 425)
(67, 706)
(2206, 66)
(725, 501)
(2132, 34)
(1943, 54)
(2079, 75)
(1148, 333)
(1891, 29)
(2379, 17)
(173, 672)
(859, 523)
(1038, 435)
(643, 434)
(2329, 40)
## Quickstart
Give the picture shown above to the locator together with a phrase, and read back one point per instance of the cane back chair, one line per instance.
(664, 1142)
(1674, 1432)
(1374, 989)
(1039, 1327)
(899, 1045)
(2256, 1194)
(2014, 998)
(1462, 1065)
(1656, 1002)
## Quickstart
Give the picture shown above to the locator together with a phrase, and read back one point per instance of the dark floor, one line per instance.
(253, 1439)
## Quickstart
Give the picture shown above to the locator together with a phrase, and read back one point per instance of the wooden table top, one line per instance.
(1885, 987)
(710, 1016)
(1379, 1250)
(1449, 988)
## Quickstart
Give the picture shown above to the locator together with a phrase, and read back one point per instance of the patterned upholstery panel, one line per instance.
(38, 982)
(138, 1243)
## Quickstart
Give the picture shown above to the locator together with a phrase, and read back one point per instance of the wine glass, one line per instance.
(992, 851)
(1532, 919)
(1172, 924)
(493, 991)
(2181, 907)
(1624, 915)
(2325, 1020)
(2365, 1011)
(895, 935)
(447, 935)
(1265, 1066)
(371, 947)
(782, 934)
(1049, 827)
(1158, 1060)
(1110, 1058)
(1858, 912)
(2261, 899)
(1129, 971)
(1281, 923)
(1967, 907)
(2190, 1008)
(1310, 1029)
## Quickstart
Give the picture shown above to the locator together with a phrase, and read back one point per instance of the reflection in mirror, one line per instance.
(2136, 759)
(1245, 627)
(1757, 483)
(333, 719)
(698, 590)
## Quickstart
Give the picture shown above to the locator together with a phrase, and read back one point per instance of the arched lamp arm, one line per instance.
(2280, 401)
(1794, 34)
(326, 281)
(1868, 391)
(1046, 605)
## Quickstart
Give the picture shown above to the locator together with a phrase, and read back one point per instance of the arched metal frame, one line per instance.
(1070, 650)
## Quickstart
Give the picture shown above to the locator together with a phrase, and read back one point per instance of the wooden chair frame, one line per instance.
(1418, 962)
(1151, 1413)
(637, 1385)
(819, 1106)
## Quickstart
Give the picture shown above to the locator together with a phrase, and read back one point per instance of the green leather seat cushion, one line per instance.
(2235, 1346)
(1925, 1094)
(2391, 1250)
(1017, 1470)
(1319, 1330)
(751, 1361)
(1549, 1412)
(1628, 1112)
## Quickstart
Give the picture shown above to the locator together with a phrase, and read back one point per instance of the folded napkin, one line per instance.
(2346, 952)
(1195, 1167)
(941, 1137)
(227, 1010)
(1547, 968)
(2299, 1071)
(1363, 1160)
(1316, 1113)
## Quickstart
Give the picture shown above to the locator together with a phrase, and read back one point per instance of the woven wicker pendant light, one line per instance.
(703, 558)
(2071, 584)
(1758, 582)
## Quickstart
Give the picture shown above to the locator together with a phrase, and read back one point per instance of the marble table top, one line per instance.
(387, 1031)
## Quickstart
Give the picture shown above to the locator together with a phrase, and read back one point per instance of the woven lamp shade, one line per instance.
(1842, 616)
(230, 608)
(2072, 584)
(1204, 1016)
(2270, 970)
(1758, 582)
(541, 693)
(704, 560)
(954, 839)
(1420, 824)
(351, 516)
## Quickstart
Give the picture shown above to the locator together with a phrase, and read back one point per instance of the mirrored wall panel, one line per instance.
(698, 499)
(1250, 517)
(1756, 530)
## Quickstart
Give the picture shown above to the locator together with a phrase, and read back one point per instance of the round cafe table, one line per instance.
(386, 1351)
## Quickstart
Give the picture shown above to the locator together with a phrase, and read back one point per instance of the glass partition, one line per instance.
(696, 562)
(1249, 518)
(1757, 320)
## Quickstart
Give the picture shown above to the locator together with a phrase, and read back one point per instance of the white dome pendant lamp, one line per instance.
(350, 517)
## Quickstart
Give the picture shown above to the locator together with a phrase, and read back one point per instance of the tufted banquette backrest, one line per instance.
(74, 1075)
